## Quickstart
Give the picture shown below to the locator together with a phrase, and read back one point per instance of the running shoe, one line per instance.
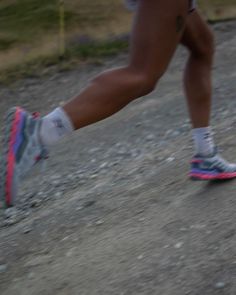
(211, 168)
(22, 149)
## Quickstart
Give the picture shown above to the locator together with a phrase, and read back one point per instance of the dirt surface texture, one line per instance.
(114, 212)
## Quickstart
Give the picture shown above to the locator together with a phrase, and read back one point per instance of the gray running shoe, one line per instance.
(212, 167)
(22, 149)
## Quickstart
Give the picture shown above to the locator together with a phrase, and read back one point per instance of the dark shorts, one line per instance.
(131, 4)
(192, 5)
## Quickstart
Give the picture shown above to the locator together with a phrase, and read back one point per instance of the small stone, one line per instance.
(31, 276)
(70, 252)
(10, 221)
(79, 208)
(179, 245)
(118, 145)
(220, 285)
(58, 194)
(168, 132)
(150, 137)
(225, 113)
(141, 219)
(3, 268)
(103, 165)
(55, 177)
(65, 239)
(34, 204)
(176, 133)
(38, 260)
(99, 222)
(81, 182)
(170, 159)
(122, 152)
(27, 230)
(56, 183)
(140, 257)
(89, 203)
(70, 177)
(135, 153)
(10, 212)
(93, 150)
(12, 216)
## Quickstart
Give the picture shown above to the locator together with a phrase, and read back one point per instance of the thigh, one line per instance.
(157, 30)
(197, 36)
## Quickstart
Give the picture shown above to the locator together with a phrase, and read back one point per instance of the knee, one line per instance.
(205, 46)
(145, 83)
(135, 82)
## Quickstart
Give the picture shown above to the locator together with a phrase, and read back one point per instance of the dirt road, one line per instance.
(115, 213)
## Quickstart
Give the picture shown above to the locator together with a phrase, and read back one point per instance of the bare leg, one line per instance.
(157, 30)
(198, 39)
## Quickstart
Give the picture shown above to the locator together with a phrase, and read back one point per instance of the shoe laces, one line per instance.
(35, 115)
(44, 155)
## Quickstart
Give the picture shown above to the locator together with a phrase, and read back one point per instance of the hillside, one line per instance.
(115, 213)
(29, 29)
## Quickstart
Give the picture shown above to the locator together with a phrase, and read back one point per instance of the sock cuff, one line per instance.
(202, 130)
(203, 141)
(59, 112)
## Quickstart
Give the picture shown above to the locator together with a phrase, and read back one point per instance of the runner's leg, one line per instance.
(198, 38)
(207, 164)
(157, 30)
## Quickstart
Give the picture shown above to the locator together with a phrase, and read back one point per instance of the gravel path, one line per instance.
(114, 212)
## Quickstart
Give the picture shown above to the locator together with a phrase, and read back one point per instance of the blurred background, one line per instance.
(37, 34)
(114, 212)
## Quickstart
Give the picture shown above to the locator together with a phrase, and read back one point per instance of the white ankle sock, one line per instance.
(203, 141)
(55, 126)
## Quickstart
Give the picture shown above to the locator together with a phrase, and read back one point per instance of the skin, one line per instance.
(159, 26)
(199, 40)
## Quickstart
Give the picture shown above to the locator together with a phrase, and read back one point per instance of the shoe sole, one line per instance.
(218, 176)
(13, 123)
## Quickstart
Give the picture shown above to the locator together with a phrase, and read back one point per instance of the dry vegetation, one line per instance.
(29, 29)
(218, 9)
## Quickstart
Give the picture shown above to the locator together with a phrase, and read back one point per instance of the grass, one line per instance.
(92, 51)
(24, 21)
(218, 10)
(29, 32)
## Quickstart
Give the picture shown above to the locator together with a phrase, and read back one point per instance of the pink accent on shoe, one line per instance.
(11, 157)
(220, 176)
(36, 115)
